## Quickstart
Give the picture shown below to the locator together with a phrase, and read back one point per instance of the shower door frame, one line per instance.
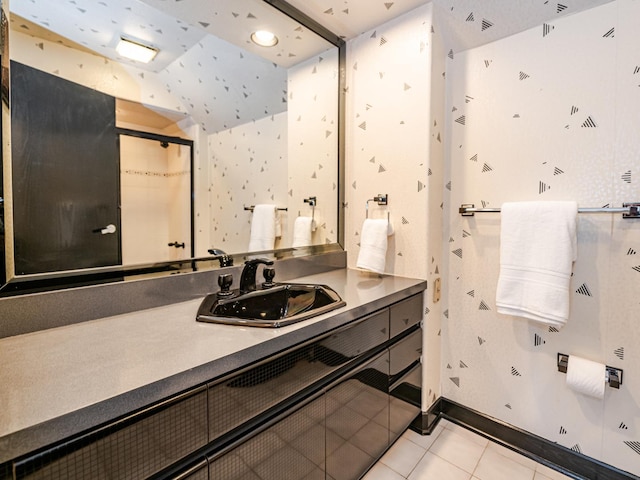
(177, 141)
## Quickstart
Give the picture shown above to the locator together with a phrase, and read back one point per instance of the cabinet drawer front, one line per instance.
(292, 448)
(405, 352)
(406, 313)
(402, 411)
(250, 393)
(135, 447)
(343, 346)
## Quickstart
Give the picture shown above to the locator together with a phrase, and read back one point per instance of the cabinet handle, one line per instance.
(109, 229)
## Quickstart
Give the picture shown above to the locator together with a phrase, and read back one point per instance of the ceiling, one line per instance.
(464, 24)
(177, 26)
(199, 39)
(174, 28)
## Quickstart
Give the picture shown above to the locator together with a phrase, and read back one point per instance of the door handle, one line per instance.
(111, 228)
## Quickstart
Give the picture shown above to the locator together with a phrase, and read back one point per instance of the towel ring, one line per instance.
(382, 199)
(312, 201)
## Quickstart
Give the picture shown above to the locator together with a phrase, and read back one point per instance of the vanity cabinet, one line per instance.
(325, 408)
(134, 447)
(236, 400)
(353, 393)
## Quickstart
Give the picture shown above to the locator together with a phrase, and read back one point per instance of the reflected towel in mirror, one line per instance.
(302, 232)
(263, 228)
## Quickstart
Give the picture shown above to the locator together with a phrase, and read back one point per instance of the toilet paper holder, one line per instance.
(613, 376)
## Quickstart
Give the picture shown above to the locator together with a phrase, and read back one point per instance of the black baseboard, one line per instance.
(566, 461)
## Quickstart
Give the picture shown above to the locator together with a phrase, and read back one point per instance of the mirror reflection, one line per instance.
(198, 143)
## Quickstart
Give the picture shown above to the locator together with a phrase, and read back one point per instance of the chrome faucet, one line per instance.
(248, 277)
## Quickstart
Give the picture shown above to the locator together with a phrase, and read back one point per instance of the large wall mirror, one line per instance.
(113, 166)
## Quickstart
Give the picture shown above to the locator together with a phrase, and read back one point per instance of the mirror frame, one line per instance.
(24, 284)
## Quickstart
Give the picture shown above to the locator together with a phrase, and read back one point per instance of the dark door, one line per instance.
(65, 174)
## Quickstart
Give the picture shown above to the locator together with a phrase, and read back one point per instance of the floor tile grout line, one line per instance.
(471, 475)
(447, 461)
(486, 447)
(417, 463)
(425, 450)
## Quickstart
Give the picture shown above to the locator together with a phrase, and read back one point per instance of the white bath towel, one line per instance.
(373, 244)
(263, 228)
(537, 250)
(302, 232)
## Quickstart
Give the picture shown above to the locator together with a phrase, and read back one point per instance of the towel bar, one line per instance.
(613, 376)
(252, 207)
(628, 210)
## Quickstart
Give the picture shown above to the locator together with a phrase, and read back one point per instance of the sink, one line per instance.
(280, 305)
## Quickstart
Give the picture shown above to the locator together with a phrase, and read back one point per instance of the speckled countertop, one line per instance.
(62, 381)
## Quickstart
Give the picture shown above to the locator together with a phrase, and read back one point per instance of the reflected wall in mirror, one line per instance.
(263, 122)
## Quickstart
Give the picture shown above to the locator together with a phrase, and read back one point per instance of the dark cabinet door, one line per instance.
(291, 449)
(357, 421)
(66, 178)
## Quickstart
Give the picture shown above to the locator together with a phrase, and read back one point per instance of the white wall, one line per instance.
(313, 144)
(256, 175)
(548, 114)
(395, 116)
(280, 159)
(93, 71)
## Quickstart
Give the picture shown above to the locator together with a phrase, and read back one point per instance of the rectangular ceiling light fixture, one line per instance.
(135, 50)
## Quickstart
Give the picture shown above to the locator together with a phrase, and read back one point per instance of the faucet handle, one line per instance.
(268, 274)
(225, 281)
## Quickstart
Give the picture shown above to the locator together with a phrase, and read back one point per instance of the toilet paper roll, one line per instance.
(586, 377)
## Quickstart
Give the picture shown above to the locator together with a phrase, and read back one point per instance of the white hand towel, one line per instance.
(302, 229)
(373, 244)
(537, 250)
(263, 228)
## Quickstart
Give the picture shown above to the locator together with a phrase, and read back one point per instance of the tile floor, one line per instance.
(454, 453)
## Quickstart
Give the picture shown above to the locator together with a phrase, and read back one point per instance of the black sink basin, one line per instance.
(282, 304)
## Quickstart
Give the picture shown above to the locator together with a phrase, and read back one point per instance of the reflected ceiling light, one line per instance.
(264, 38)
(135, 50)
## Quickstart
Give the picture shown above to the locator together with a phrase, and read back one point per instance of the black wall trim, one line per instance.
(573, 464)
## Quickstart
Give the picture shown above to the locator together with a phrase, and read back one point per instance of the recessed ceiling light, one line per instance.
(264, 38)
(136, 51)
